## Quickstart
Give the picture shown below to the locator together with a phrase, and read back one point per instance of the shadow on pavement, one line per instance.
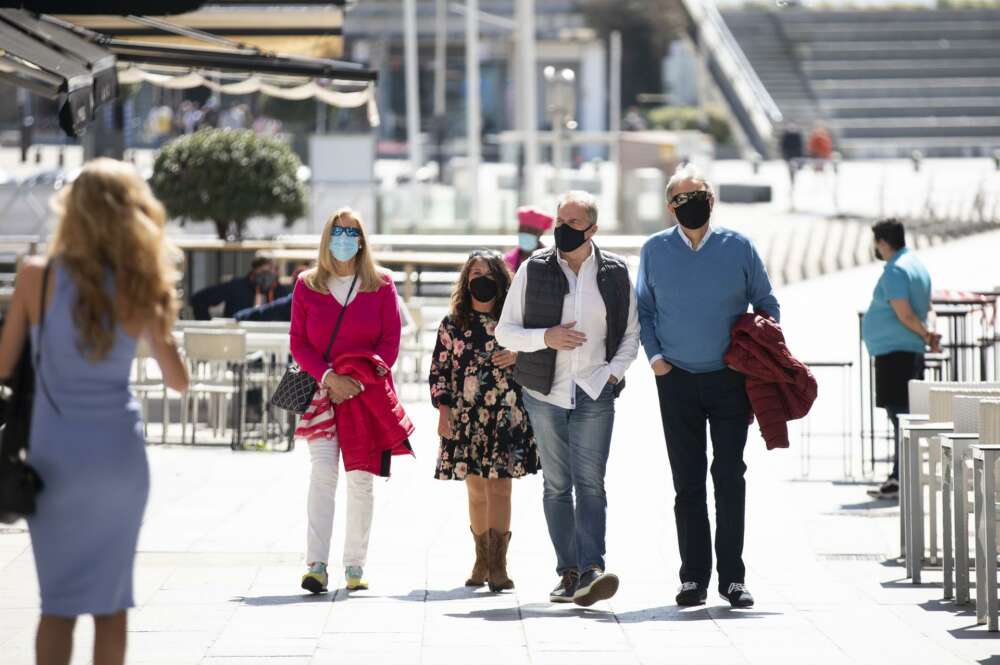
(434, 595)
(297, 599)
(894, 563)
(948, 606)
(675, 613)
(871, 504)
(974, 632)
(905, 583)
(536, 611)
(665, 613)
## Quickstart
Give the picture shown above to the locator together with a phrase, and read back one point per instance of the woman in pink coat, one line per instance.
(346, 283)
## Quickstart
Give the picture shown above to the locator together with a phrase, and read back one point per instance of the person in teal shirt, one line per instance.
(895, 330)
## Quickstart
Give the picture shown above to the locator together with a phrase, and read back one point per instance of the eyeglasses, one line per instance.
(349, 231)
(681, 199)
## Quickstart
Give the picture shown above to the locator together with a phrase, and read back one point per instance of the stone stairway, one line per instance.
(886, 82)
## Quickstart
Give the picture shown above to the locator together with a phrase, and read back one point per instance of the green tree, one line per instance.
(228, 176)
(648, 27)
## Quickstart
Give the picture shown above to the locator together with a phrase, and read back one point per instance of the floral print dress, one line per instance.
(492, 435)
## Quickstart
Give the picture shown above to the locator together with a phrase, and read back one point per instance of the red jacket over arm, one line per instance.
(373, 426)
(780, 387)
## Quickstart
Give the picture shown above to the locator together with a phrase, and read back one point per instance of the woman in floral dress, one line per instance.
(486, 438)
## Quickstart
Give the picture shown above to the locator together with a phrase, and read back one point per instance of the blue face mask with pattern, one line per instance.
(343, 247)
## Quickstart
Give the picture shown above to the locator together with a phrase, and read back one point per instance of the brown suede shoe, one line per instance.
(480, 568)
(498, 579)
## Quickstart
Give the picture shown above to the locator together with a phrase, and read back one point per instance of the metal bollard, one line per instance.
(916, 157)
(61, 158)
(755, 162)
(996, 159)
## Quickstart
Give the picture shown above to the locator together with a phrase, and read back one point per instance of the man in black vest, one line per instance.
(571, 317)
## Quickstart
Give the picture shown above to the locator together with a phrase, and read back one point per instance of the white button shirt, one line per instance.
(584, 366)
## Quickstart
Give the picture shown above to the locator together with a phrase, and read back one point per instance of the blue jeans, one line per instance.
(574, 446)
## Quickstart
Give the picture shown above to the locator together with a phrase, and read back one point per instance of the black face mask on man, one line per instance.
(694, 213)
(483, 288)
(568, 238)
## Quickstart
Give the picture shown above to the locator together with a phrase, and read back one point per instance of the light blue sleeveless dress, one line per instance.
(91, 456)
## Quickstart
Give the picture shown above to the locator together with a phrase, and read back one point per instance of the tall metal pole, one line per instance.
(412, 84)
(615, 115)
(473, 110)
(528, 96)
(440, 130)
(440, 55)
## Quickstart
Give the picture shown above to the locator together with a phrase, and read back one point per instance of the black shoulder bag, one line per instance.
(296, 389)
(19, 483)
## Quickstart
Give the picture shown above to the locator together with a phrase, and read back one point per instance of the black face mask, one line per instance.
(483, 288)
(694, 214)
(265, 280)
(568, 238)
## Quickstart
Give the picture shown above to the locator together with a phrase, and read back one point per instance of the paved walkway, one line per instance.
(220, 552)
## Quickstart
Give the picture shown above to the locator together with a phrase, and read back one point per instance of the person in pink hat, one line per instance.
(531, 224)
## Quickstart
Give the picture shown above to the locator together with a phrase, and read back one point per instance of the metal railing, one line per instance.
(717, 42)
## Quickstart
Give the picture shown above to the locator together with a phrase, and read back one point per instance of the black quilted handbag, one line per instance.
(296, 389)
(19, 483)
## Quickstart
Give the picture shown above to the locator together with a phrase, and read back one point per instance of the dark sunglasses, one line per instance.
(681, 199)
(349, 231)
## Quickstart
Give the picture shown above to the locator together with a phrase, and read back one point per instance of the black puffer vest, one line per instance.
(544, 293)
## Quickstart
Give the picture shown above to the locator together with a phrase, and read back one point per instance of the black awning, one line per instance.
(22, 46)
(58, 59)
(98, 61)
(147, 7)
(233, 60)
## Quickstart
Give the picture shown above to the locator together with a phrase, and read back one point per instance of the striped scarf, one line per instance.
(318, 421)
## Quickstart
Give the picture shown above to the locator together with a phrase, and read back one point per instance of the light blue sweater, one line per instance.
(689, 301)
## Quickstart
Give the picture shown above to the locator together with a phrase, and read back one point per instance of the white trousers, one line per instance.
(325, 455)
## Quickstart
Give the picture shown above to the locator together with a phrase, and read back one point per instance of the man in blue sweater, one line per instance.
(695, 280)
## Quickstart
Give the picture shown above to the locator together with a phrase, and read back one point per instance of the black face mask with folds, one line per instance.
(483, 288)
(568, 238)
(694, 214)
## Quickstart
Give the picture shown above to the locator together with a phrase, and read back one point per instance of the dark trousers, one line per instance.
(893, 372)
(687, 402)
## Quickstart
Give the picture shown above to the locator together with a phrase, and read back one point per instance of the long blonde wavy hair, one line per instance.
(111, 226)
(370, 276)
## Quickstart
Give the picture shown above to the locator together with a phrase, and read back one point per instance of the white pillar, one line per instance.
(412, 84)
(528, 96)
(473, 112)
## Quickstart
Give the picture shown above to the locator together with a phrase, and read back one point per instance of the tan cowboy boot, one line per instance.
(498, 561)
(480, 568)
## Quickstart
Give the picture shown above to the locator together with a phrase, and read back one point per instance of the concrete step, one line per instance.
(892, 31)
(913, 107)
(884, 69)
(807, 16)
(922, 127)
(917, 49)
(907, 88)
(894, 148)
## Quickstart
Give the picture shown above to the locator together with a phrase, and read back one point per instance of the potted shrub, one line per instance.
(229, 176)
